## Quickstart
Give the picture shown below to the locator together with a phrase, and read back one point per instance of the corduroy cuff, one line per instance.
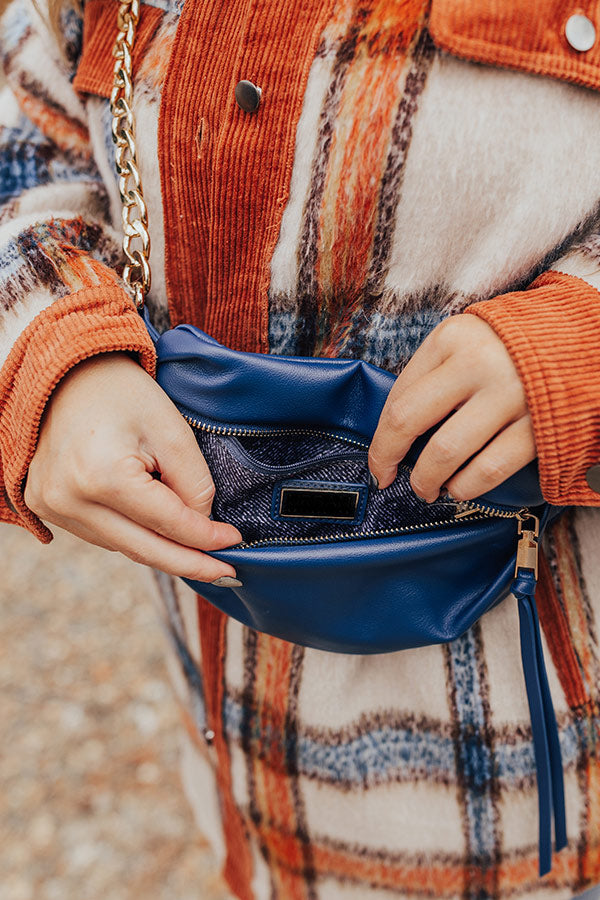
(552, 332)
(93, 320)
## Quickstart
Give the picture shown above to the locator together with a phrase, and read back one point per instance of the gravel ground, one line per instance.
(91, 805)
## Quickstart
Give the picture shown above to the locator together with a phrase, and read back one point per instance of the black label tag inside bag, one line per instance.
(333, 503)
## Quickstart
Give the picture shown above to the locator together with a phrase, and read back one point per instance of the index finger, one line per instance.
(412, 409)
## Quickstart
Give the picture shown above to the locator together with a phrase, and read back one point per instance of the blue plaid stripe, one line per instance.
(33, 162)
(397, 753)
(389, 341)
(476, 761)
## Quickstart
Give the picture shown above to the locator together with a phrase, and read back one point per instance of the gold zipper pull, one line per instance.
(527, 548)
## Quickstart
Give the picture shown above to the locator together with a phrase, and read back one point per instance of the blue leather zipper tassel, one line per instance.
(556, 766)
(551, 799)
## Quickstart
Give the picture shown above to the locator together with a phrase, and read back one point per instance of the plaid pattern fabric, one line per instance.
(323, 776)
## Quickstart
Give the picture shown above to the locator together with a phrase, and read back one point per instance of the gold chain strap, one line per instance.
(136, 239)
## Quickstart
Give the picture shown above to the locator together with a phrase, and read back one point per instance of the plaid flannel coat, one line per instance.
(406, 163)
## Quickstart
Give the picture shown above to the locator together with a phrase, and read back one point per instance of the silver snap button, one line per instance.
(209, 736)
(592, 476)
(580, 33)
(247, 96)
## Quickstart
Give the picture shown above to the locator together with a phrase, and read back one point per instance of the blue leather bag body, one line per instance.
(329, 561)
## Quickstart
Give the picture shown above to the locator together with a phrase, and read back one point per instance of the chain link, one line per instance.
(134, 214)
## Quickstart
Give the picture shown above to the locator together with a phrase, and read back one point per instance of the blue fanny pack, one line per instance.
(328, 561)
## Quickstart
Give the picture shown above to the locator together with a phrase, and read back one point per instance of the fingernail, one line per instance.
(424, 499)
(373, 482)
(227, 581)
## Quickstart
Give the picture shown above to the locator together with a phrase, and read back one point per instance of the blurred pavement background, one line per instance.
(91, 806)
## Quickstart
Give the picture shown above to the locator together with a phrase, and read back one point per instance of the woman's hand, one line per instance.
(107, 431)
(462, 367)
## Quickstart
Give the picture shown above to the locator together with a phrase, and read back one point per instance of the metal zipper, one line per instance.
(347, 536)
(475, 511)
(232, 431)
(478, 514)
(528, 547)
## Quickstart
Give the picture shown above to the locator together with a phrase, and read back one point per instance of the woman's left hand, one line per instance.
(462, 367)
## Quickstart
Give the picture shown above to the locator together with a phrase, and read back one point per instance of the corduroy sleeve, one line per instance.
(552, 332)
(61, 299)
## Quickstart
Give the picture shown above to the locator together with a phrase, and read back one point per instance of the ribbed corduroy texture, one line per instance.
(551, 331)
(216, 160)
(518, 34)
(95, 72)
(90, 321)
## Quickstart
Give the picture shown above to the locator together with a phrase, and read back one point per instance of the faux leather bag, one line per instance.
(328, 561)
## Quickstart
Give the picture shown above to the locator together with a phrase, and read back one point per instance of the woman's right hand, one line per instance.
(107, 430)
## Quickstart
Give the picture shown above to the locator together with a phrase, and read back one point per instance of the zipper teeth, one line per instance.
(348, 535)
(235, 432)
(464, 508)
